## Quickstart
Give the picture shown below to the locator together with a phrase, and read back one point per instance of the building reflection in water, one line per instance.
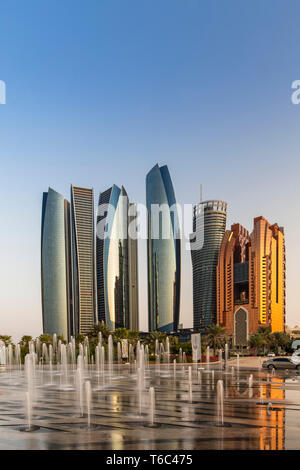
(272, 435)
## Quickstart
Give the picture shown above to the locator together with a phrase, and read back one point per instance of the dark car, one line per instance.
(280, 363)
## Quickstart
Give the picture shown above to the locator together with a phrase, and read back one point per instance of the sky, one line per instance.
(98, 92)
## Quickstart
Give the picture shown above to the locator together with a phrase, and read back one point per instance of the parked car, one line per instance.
(280, 363)
(271, 355)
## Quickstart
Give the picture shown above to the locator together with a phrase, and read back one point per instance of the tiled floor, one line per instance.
(120, 412)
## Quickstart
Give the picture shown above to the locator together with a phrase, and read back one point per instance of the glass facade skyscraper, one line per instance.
(117, 287)
(209, 224)
(163, 251)
(56, 265)
(83, 259)
(133, 272)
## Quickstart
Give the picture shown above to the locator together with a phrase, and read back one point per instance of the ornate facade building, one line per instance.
(251, 280)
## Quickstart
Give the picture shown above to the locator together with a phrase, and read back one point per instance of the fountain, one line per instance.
(190, 385)
(139, 388)
(220, 359)
(71, 393)
(226, 355)
(250, 381)
(147, 355)
(100, 338)
(119, 353)
(261, 395)
(79, 384)
(167, 353)
(88, 392)
(2, 354)
(151, 406)
(102, 360)
(199, 377)
(180, 355)
(64, 367)
(110, 355)
(29, 394)
(220, 403)
(207, 356)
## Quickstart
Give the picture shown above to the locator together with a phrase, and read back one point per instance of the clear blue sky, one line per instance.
(100, 91)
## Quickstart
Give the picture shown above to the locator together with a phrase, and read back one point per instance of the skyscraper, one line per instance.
(117, 288)
(209, 223)
(83, 258)
(251, 280)
(56, 265)
(133, 271)
(268, 264)
(164, 251)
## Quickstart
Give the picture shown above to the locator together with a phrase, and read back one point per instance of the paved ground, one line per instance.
(251, 362)
(264, 415)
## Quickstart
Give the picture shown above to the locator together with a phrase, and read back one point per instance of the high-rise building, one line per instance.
(117, 286)
(268, 253)
(236, 310)
(133, 270)
(164, 251)
(251, 280)
(83, 258)
(209, 224)
(56, 265)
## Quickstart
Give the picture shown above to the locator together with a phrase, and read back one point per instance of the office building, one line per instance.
(83, 259)
(117, 271)
(56, 278)
(209, 224)
(164, 251)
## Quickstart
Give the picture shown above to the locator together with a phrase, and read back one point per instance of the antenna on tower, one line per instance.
(201, 192)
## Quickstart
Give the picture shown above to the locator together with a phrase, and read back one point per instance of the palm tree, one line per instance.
(155, 336)
(6, 339)
(119, 334)
(80, 338)
(256, 341)
(46, 338)
(133, 337)
(100, 327)
(61, 338)
(281, 340)
(216, 337)
(265, 333)
(25, 340)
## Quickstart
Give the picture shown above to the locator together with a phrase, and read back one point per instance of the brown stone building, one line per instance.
(251, 280)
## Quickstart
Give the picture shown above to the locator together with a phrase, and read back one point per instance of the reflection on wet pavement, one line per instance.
(258, 413)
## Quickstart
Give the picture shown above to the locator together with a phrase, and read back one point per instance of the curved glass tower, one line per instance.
(163, 251)
(55, 264)
(209, 224)
(112, 258)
